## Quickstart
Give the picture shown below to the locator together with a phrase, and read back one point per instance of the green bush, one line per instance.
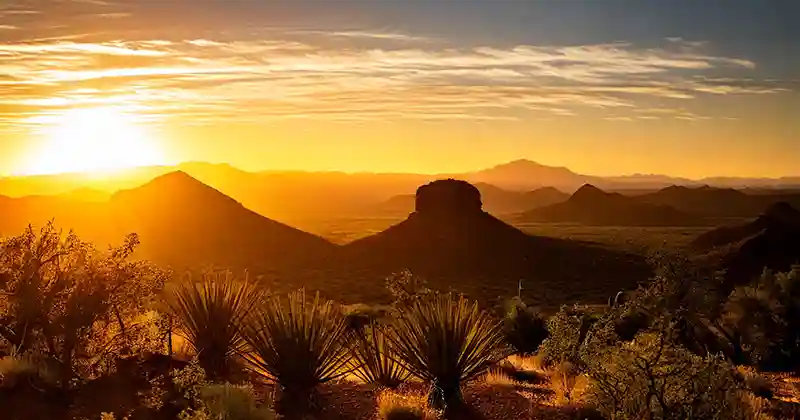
(77, 307)
(203, 400)
(446, 341)
(567, 333)
(762, 320)
(210, 316)
(16, 369)
(525, 328)
(652, 377)
(299, 345)
(373, 358)
(361, 315)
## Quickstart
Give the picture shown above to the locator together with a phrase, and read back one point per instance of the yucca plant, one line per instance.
(298, 344)
(211, 316)
(446, 341)
(372, 358)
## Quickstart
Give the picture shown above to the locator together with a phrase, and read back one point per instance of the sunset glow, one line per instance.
(94, 140)
(422, 86)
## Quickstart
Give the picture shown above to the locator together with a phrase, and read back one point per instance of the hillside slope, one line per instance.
(186, 223)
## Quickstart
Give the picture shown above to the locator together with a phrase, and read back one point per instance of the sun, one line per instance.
(95, 140)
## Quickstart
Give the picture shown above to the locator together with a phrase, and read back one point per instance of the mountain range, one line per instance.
(447, 237)
(593, 206)
(301, 198)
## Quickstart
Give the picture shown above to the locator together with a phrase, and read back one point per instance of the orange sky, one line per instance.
(385, 90)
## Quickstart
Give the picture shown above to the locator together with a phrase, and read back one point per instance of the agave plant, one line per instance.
(446, 341)
(372, 358)
(298, 344)
(211, 316)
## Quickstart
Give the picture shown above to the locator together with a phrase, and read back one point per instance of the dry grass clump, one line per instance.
(568, 383)
(756, 383)
(532, 364)
(393, 406)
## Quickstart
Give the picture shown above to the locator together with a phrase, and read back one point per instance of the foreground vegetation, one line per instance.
(80, 327)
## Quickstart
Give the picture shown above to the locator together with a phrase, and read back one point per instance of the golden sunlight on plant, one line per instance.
(392, 406)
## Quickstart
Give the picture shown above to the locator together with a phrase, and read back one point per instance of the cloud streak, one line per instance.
(296, 74)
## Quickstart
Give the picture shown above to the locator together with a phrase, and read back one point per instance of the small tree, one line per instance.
(762, 320)
(79, 307)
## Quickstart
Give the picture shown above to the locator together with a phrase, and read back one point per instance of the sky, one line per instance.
(605, 87)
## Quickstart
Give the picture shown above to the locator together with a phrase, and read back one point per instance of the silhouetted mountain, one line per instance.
(294, 196)
(772, 241)
(495, 200)
(450, 240)
(524, 174)
(186, 223)
(707, 201)
(593, 206)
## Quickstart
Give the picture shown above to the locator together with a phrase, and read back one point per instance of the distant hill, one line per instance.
(524, 174)
(495, 200)
(772, 240)
(719, 202)
(593, 206)
(186, 223)
(294, 197)
(707, 201)
(450, 240)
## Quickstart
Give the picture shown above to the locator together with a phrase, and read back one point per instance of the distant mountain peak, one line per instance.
(589, 192)
(177, 186)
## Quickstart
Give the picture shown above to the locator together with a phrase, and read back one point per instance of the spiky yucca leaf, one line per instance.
(299, 344)
(210, 316)
(447, 341)
(370, 350)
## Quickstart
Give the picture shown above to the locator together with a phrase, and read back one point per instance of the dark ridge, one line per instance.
(770, 241)
(590, 205)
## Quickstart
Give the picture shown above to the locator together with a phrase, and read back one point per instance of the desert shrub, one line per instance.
(18, 368)
(567, 383)
(361, 315)
(233, 402)
(446, 341)
(373, 358)
(392, 406)
(81, 308)
(652, 377)
(210, 315)
(525, 328)
(567, 333)
(763, 321)
(406, 287)
(204, 400)
(756, 383)
(299, 345)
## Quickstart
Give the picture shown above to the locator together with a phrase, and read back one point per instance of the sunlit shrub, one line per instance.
(652, 377)
(210, 315)
(525, 328)
(61, 298)
(447, 341)
(374, 359)
(298, 344)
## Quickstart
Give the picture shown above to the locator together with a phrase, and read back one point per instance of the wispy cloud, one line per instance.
(375, 35)
(295, 74)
